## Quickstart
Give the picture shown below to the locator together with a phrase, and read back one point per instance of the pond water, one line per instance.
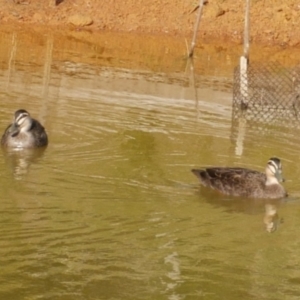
(110, 210)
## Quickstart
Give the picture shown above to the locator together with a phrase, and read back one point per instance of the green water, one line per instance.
(110, 210)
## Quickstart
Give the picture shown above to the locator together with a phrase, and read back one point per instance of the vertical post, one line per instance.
(245, 59)
(47, 66)
(247, 29)
(11, 58)
(193, 44)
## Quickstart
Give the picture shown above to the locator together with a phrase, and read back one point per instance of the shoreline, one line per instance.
(276, 23)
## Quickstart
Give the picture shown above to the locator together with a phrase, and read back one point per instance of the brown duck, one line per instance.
(24, 132)
(245, 182)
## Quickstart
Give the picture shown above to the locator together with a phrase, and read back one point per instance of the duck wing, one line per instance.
(40, 135)
(231, 181)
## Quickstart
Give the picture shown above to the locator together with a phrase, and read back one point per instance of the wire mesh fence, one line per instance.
(268, 93)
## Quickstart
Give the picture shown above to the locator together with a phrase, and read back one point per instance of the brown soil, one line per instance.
(273, 22)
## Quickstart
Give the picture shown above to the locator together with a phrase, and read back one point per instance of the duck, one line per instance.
(244, 182)
(24, 132)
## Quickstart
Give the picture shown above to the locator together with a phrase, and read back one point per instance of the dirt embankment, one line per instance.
(273, 22)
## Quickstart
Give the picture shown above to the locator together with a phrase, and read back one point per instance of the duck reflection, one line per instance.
(271, 217)
(268, 208)
(19, 160)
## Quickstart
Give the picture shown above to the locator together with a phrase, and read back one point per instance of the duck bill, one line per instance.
(14, 130)
(279, 177)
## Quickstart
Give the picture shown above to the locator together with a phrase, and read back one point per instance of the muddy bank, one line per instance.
(273, 22)
(155, 53)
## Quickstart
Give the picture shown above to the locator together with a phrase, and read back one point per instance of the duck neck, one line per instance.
(26, 125)
(271, 180)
